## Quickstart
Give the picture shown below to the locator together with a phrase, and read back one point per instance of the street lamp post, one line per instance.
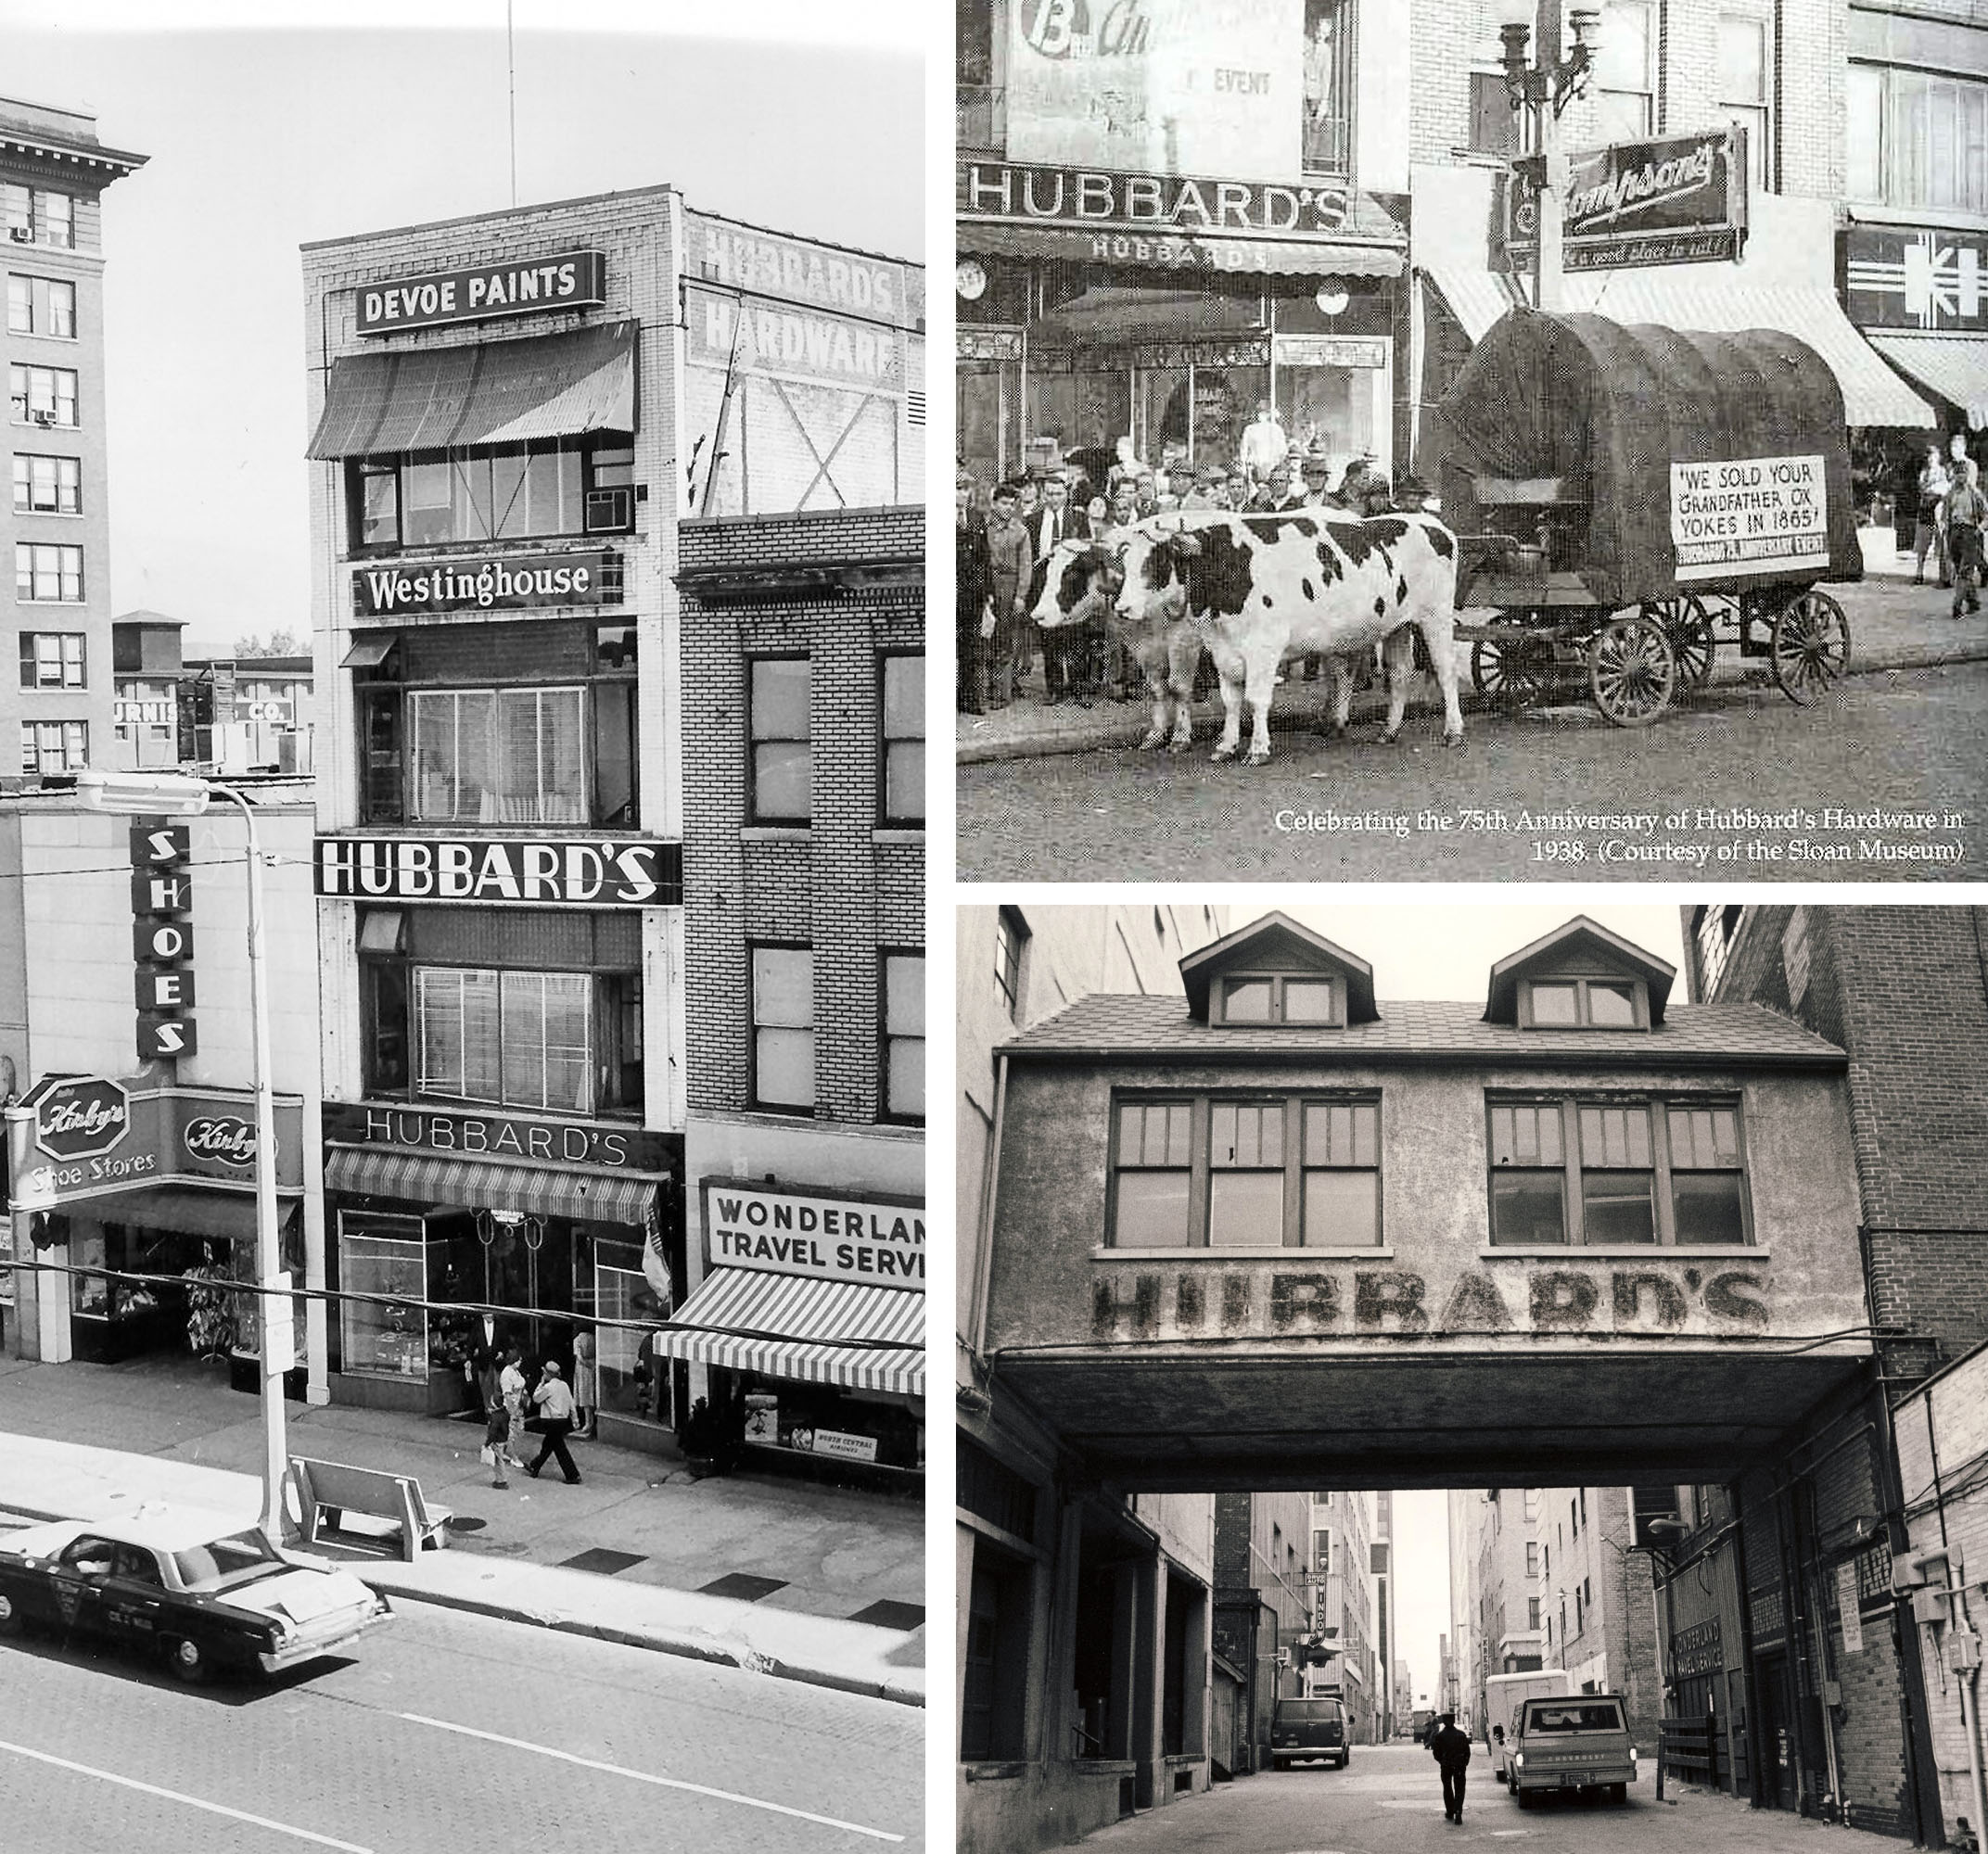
(179, 795)
(1543, 88)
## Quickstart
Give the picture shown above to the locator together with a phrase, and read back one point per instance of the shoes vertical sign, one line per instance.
(162, 899)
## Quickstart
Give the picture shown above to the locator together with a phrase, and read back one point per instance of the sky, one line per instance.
(272, 122)
(1447, 952)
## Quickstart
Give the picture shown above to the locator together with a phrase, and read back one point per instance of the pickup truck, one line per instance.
(1570, 1744)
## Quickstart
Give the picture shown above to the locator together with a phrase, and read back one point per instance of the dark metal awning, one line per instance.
(370, 649)
(185, 1210)
(489, 392)
(473, 1184)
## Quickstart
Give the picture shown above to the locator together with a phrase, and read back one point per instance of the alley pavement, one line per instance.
(1388, 1800)
(1894, 624)
(801, 1580)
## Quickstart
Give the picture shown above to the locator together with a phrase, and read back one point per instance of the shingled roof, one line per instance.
(1108, 1025)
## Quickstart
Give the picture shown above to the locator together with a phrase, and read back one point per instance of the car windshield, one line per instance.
(1585, 1716)
(220, 1562)
(1298, 1712)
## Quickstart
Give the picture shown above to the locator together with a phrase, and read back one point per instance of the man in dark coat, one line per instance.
(1451, 1751)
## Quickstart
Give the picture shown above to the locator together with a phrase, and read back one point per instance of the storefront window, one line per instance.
(861, 1428)
(633, 1382)
(496, 756)
(383, 1256)
(89, 1294)
(517, 1038)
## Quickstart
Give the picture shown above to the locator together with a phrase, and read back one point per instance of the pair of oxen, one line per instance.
(1256, 592)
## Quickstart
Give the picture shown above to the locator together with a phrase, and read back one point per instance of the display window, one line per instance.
(826, 1423)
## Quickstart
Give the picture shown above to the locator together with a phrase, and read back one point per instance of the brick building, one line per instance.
(53, 174)
(514, 414)
(1797, 1594)
(1344, 1609)
(803, 636)
(1262, 1613)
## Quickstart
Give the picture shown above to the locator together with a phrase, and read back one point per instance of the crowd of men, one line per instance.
(1003, 538)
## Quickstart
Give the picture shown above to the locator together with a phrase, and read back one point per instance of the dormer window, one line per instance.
(1280, 998)
(1583, 1004)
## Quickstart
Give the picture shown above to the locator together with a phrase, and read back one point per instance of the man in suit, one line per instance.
(1064, 652)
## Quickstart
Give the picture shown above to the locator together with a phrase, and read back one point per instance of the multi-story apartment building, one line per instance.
(515, 415)
(1915, 240)
(1781, 1622)
(1086, 1662)
(53, 175)
(1347, 1611)
(1381, 1564)
(804, 897)
(1262, 1614)
(1600, 1621)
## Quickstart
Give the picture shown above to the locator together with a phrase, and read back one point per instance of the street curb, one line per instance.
(1726, 685)
(684, 1647)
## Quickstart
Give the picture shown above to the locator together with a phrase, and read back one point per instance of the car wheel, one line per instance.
(1345, 1760)
(1619, 1793)
(187, 1661)
(13, 1619)
(1522, 1797)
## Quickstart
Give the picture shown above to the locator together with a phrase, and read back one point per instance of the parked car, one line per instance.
(1573, 1745)
(189, 1587)
(1302, 1729)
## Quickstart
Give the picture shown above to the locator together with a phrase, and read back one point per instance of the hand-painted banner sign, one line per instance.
(1191, 1303)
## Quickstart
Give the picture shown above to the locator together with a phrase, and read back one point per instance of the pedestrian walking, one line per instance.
(1933, 484)
(1966, 519)
(511, 1388)
(586, 1384)
(1451, 1751)
(555, 1406)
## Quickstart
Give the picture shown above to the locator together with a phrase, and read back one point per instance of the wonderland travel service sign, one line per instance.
(832, 1235)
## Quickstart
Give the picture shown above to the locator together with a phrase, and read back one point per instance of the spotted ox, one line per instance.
(1079, 582)
(1261, 589)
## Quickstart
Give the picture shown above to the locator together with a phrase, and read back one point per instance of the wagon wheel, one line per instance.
(1810, 646)
(1515, 670)
(1687, 624)
(1631, 670)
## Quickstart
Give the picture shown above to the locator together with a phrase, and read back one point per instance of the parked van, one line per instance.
(1504, 1694)
(1573, 1745)
(1308, 1728)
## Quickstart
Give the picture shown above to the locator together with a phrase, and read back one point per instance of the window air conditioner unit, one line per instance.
(43, 417)
(21, 234)
(610, 511)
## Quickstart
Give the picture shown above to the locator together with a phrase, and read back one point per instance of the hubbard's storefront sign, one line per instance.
(1681, 200)
(515, 581)
(833, 1237)
(83, 1135)
(591, 873)
(1000, 192)
(569, 279)
(497, 1135)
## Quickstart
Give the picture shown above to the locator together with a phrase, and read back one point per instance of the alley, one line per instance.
(1388, 1802)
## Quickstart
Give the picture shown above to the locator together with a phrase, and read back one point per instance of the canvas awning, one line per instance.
(474, 1183)
(1162, 246)
(1873, 394)
(851, 1333)
(1955, 366)
(185, 1210)
(1114, 315)
(489, 392)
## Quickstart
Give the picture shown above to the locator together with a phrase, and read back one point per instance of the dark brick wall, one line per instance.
(838, 885)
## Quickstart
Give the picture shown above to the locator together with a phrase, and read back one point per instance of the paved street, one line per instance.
(1389, 1800)
(1912, 741)
(455, 1731)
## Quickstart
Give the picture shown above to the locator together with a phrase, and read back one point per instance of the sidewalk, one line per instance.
(1893, 626)
(812, 1583)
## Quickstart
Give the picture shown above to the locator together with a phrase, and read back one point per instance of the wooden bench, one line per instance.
(328, 1492)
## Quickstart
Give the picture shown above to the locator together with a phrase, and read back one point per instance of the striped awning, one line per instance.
(1955, 366)
(485, 393)
(850, 1333)
(476, 1184)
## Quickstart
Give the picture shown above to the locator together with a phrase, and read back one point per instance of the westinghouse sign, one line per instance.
(569, 279)
(834, 1237)
(510, 584)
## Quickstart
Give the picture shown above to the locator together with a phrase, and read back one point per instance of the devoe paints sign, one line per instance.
(1749, 515)
(833, 1236)
(567, 280)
